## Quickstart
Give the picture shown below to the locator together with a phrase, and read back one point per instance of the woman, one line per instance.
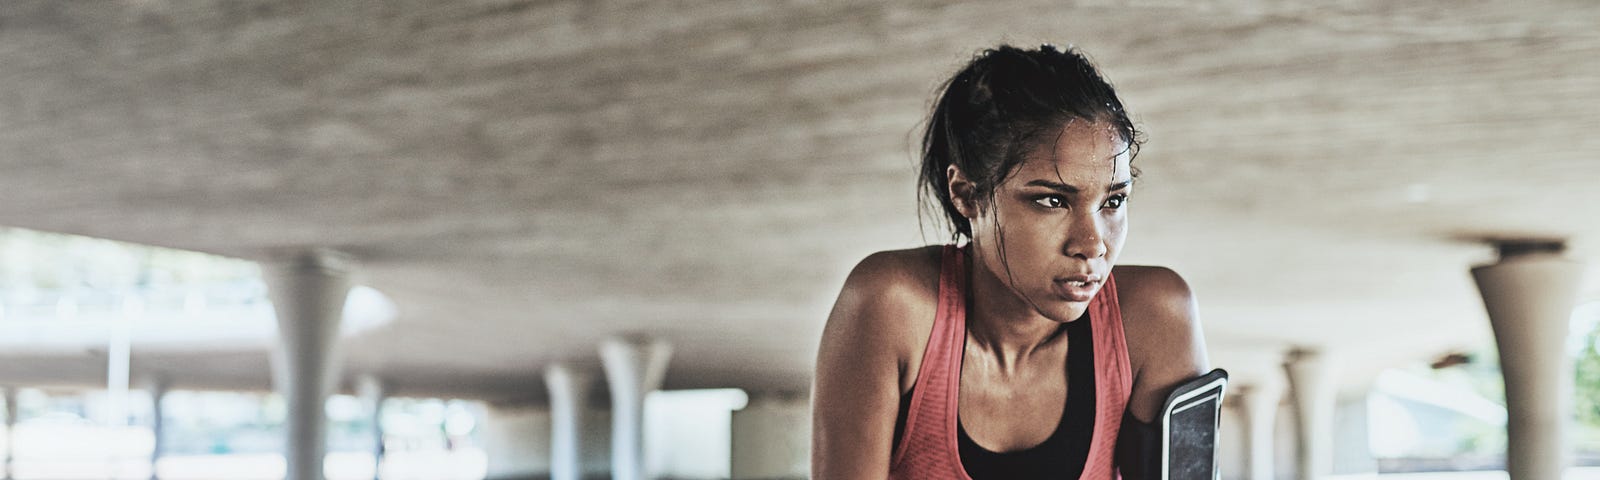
(1045, 345)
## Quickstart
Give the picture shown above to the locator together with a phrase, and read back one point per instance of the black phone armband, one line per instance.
(1182, 442)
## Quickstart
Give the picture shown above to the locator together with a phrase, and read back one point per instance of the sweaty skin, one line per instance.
(1058, 222)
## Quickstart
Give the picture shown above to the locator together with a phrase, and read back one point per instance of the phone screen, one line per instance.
(1192, 454)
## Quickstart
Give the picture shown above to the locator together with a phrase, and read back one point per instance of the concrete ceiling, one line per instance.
(526, 178)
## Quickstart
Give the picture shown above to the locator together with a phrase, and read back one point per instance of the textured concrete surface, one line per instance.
(526, 178)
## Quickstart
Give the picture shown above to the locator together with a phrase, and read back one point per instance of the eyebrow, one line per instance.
(1071, 190)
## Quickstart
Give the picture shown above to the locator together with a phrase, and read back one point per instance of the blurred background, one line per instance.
(566, 239)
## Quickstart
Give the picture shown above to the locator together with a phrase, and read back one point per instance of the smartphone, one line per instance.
(1189, 423)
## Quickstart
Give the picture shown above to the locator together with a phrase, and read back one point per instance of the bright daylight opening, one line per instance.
(70, 294)
(1452, 417)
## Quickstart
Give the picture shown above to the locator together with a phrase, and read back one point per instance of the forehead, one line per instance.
(1081, 153)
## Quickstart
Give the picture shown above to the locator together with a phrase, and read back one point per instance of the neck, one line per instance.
(1004, 326)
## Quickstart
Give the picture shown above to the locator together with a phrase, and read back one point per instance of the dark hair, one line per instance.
(997, 108)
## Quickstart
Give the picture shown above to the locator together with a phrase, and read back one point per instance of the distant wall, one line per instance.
(1352, 449)
(772, 438)
(688, 433)
(517, 441)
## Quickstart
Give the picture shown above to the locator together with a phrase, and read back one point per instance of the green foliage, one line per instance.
(1586, 381)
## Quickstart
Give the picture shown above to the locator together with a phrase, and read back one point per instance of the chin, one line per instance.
(1066, 312)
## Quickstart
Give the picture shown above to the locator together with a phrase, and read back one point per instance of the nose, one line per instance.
(1086, 236)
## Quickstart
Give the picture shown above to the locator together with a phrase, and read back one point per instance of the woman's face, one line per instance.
(1059, 220)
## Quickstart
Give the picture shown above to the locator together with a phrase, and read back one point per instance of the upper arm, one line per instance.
(1165, 344)
(856, 396)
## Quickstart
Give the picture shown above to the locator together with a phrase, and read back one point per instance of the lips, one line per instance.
(1078, 288)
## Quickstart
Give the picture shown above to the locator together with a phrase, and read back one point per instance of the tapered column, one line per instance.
(569, 394)
(11, 432)
(1258, 413)
(1530, 294)
(634, 368)
(119, 358)
(157, 387)
(308, 292)
(1312, 388)
(372, 391)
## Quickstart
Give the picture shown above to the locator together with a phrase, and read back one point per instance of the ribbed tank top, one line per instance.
(927, 448)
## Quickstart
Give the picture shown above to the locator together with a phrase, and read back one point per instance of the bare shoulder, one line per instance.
(1155, 294)
(888, 303)
(902, 275)
(1161, 322)
(865, 360)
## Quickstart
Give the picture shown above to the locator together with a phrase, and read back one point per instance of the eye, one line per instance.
(1050, 201)
(1116, 201)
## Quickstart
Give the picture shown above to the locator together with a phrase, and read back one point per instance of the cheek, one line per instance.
(1021, 233)
(1022, 225)
(1116, 233)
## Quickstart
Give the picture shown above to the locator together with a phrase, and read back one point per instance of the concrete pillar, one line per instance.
(308, 292)
(1530, 294)
(372, 391)
(1258, 412)
(119, 358)
(157, 387)
(634, 368)
(11, 432)
(1313, 389)
(569, 394)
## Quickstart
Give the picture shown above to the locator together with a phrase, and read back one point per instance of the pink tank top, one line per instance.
(927, 448)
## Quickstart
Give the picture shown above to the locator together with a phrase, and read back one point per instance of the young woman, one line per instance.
(1022, 353)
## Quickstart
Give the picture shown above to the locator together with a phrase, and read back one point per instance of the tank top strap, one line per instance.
(1113, 380)
(928, 444)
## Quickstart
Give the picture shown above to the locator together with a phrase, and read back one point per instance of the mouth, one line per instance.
(1078, 288)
